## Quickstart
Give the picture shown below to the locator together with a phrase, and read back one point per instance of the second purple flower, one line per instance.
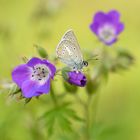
(107, 26)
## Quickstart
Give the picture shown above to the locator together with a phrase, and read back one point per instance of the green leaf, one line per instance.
(50, 117)
(41, 51)
(66, 104)
(72, 136)
(50, 125)
(64, 123)
(72, 114)
(60, 116)
(123, 52)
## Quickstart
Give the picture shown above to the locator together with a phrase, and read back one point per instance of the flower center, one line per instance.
(40, 73)
(107, 33)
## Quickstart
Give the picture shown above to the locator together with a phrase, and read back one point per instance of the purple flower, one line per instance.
(77, 78)
(34, 77)
(107, 26)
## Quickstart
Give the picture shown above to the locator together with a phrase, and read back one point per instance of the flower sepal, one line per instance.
(27, 100)
(14, 90)
(70, 88)
(22, 98)
(64, 72)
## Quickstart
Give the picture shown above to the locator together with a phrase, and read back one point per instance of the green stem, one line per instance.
(52, 93)
(86, 108)
(95, 106)
(87, 117)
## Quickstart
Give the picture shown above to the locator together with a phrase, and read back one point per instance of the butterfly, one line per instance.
(68, 51)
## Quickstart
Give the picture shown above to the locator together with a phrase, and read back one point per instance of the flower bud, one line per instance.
(77, 78)
(41, 51)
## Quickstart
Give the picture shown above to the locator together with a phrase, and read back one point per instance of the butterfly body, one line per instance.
(68, 51)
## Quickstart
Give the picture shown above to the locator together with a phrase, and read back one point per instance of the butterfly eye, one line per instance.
(85, 63)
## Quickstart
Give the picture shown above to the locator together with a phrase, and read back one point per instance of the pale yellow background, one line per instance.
(120, 98)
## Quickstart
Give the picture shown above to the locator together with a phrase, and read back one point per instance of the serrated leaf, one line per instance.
(50, 117)
(66, 104)
(72, 114)
(64, 123)
(48, 113)
(62, 116)
(50, 126)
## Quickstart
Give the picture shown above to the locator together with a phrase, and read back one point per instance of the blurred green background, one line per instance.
(27, 22)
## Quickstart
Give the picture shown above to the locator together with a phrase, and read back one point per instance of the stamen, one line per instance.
(40, 73)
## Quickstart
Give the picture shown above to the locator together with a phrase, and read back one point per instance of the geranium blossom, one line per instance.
(107, 26)
(34, 77)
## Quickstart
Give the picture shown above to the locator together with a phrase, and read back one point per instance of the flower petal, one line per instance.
(94, 28)
(99, 17)
(34, 61)
(114, 15)
(78, 79)
(51, 67)
(120, 28)
(29, 89)
(111, 18)
(45, 88)
(20, 74)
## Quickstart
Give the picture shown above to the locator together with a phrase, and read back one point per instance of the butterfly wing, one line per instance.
(68, 50)
(69, 35)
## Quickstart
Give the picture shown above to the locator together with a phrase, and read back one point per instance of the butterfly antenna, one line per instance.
(93, 58)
